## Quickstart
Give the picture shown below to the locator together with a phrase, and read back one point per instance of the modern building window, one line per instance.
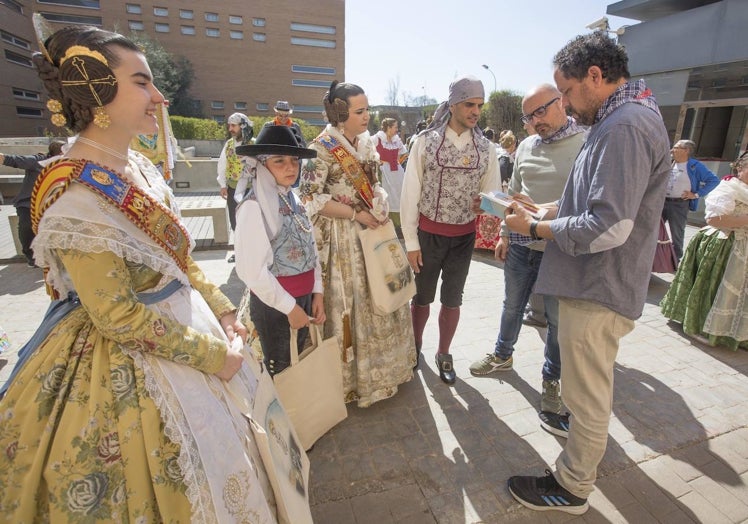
(259, 37)
(313, 42)
(15, 58)
(91, 4)
(73, 19)
(311, 28)
(219, 118)
(162, 28)
(211, 17)
(188, 29)
(29, 112)
(12, 4)
(262, 107)
(241, 106)
(237, 35)
(313, 70)
(236, 20)
(316, 121)
(310, 83)
(258, 22)
(216, 104)
(15, 40)
(160, 11)
(25, 94)
(212, 32)
(135, 25)
(308, 109)
(134, 9)
(186, 14)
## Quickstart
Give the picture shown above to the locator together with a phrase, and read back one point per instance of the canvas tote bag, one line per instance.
(391, 280)
(311, 388)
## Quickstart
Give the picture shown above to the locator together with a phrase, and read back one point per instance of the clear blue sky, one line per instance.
(426, 43)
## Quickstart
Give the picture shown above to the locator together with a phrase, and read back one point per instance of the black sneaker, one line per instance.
(545, 493)
(555, 423)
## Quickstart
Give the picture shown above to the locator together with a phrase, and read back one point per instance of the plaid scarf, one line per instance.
(570, 128)
(636, 92)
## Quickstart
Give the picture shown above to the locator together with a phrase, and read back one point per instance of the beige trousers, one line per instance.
(588, 334)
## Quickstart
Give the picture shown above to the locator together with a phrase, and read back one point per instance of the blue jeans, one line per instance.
(520, 273)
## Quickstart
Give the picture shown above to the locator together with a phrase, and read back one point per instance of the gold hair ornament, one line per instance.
(55, 107)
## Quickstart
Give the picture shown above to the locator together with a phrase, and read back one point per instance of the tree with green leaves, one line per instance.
(503, 111)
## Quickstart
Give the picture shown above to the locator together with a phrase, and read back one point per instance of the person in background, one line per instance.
(450, 164)
(391, 150)
(689, 180)
(229, 166)
(708, 293)
(506, 153)
(600, 260)
(113, 412)
(541, 168)
(276, 256)
(283, 111)
(420, 126)
(341, 192)
(32, 167)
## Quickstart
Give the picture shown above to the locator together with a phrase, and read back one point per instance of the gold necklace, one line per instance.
(294, 214)
(101, 147)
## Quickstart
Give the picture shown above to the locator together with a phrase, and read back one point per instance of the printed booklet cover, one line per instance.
(496, 202)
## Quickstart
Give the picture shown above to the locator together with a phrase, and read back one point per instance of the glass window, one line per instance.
(259, 37)
(258, 22)
(186, 14)
(237, 35)
(316, 121)
(162, 28)
(241, 106)
(91, 4)
(72, 19)
(14, 40)
(311, 28)
(25, 94)
(134, 9)
(308, 109)
(12, 4)
(216, 104)
(136, 25)
(262, 107)
(188, 29)
(310, 83)
(161, 11)
(234, 19)
(313, 70)
(29, 112)
(313, 42)
(219, 118)
(212, 32)
(211, 17)
(10, 56)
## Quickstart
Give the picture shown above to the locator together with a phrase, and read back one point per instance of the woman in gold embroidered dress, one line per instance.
(340, 203)
(120, 412)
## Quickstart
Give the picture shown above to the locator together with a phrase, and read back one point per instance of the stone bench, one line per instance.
(214, 208)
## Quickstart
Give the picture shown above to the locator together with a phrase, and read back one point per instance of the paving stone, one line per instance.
(693, 503)
(720, 498)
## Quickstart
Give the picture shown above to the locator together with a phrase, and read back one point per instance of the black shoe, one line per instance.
(555, 423)
(529, 320)
(231, 259)
(545, 493)
(446, 370)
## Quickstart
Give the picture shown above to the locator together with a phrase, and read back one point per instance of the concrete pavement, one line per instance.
(677, 451)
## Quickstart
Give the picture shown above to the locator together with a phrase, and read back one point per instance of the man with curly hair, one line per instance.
(602, 236)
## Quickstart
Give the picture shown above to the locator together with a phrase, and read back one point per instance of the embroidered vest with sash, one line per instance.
(451, 177)
(352, 168)
(233, 164)
(147, 214)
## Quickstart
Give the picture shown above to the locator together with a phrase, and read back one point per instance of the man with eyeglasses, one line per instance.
(541, 167)
(689, 180)
(602, 236)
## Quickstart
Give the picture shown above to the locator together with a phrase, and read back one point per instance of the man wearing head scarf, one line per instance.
(229, 165)
(449, 164)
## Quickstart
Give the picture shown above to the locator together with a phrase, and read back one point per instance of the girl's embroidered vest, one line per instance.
(233, 164)
(451, 177)
(293, 248)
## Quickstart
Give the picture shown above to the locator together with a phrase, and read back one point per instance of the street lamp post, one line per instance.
(484, 66)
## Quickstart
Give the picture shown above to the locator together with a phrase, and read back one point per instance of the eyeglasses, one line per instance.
(539, 112)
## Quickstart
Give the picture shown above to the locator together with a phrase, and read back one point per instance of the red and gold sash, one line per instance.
(351, 167)
(147, 214)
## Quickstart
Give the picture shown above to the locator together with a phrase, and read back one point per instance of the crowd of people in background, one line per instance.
(138, 346)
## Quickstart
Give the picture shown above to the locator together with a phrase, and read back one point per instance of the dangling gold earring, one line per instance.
(55, 107)
(101, 118)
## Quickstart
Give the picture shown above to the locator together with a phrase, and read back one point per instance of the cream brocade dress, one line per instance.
(384, 345)
(117, 415)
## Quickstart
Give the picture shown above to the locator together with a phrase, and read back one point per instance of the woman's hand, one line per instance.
(298, 318)
(318, 309)
(232, 327)
(231, 365)
(367, 219)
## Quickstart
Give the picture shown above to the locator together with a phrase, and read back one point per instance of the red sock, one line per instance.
(449, 317)
(420, 316)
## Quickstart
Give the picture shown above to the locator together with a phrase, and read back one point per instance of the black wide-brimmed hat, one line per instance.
(276, 140)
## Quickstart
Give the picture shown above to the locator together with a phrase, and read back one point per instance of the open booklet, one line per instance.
(496, 202)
